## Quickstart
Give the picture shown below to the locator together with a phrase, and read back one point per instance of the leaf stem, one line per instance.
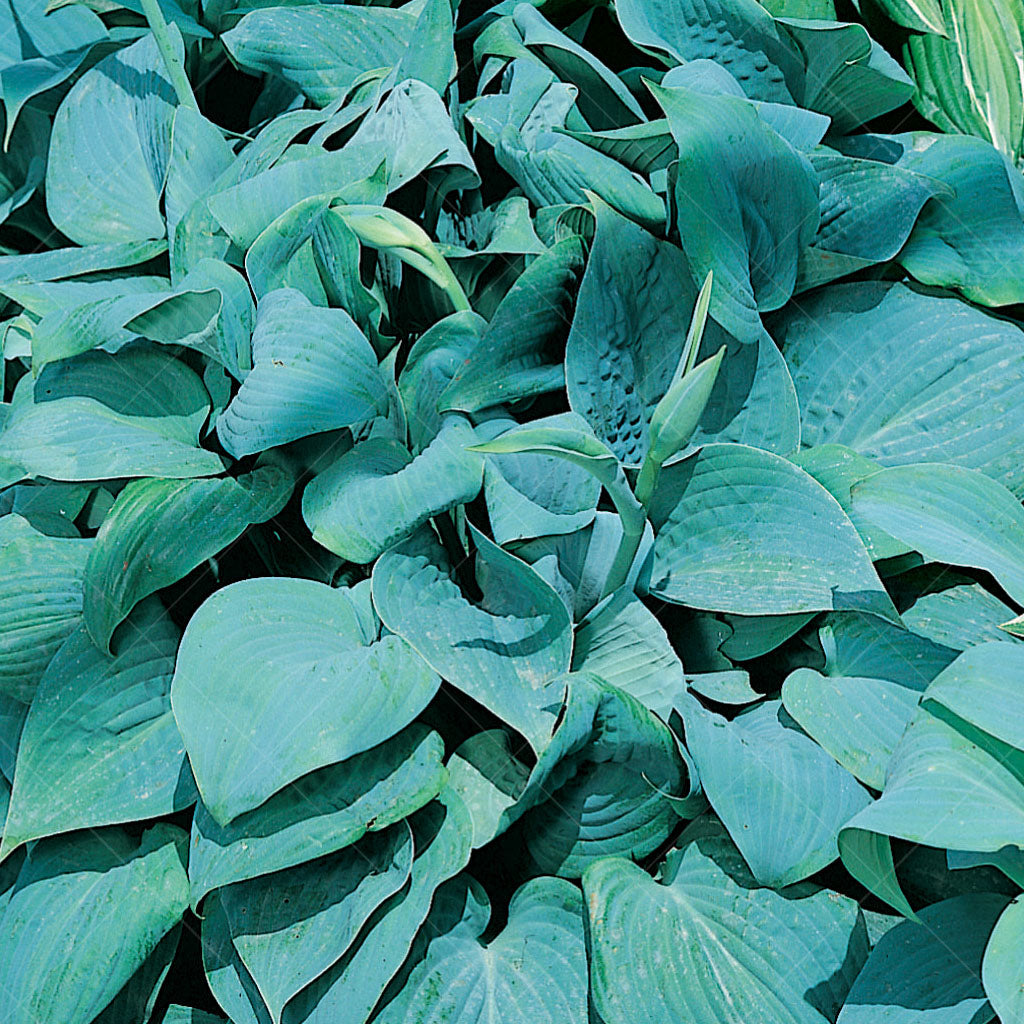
(634, 520)
(451, 284)
(647, 481)
(175, 67)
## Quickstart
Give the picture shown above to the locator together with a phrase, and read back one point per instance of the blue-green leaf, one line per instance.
(319, 813)
(858, 720)
(159, 530)
(342, 504)
(737, 33)
(534, 969)
(110, 146)
(949, 514)
(901, 377)
(741, 530)
(349, 42)
(1000, 968)
(699, 946)
(508, 651)
(313, 370)
(261, 663)
(76, 901)
(40, 601)
(781, 796)
(353, 986)
(746, 203)
(627, 334)
(929, 969)
(100, 745)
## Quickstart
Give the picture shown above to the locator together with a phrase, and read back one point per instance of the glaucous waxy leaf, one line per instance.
(54, 264)
(245, 208)
(354, 984)
(412, 131)
(855, 644)
(583, 799)
(730, 686)
(949, 514)
(277, 677)
(159, 530)
(742, 530)
(944, 383)
(627, 334)
(41, 48)
(554, 169)
(310, 248)
(100, 745)
(756, 635)
(626, 646)
(646, 148)
(983, 687)
(868, 209)
(350, 42)
(848, 76)
(781, 796)
(512, 359)
(199, 155)
(288, 927)
(227, 977)
(183, 316)
(490, 779)
(40, 601)
(313, 370)
(342, 505)
(972, 240)
(701, 943)
(143, 381)
(177, 1014)
(76, 899)
(837, 468)
(138, 996)
(535, 495)
(12, 719)
(1000, 968)
(857, 720)
(78, 437)
(960, 617)
(49, 507)
(437, 355)
(534, 969)
(109, 150)
(603, 99)
(736, 33)
(948, 784)
(929, 969)
(752, 401)
(746, 204)
(319, 813)
(612, 782)
(506, 651)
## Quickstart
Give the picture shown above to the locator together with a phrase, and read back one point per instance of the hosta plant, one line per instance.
(511, 513)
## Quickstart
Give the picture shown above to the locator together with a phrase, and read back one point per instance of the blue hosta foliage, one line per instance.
(510, 513)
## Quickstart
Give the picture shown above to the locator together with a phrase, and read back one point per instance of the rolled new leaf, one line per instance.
(384, 229)
(675, 419)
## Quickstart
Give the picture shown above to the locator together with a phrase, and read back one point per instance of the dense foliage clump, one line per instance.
(512, 514)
